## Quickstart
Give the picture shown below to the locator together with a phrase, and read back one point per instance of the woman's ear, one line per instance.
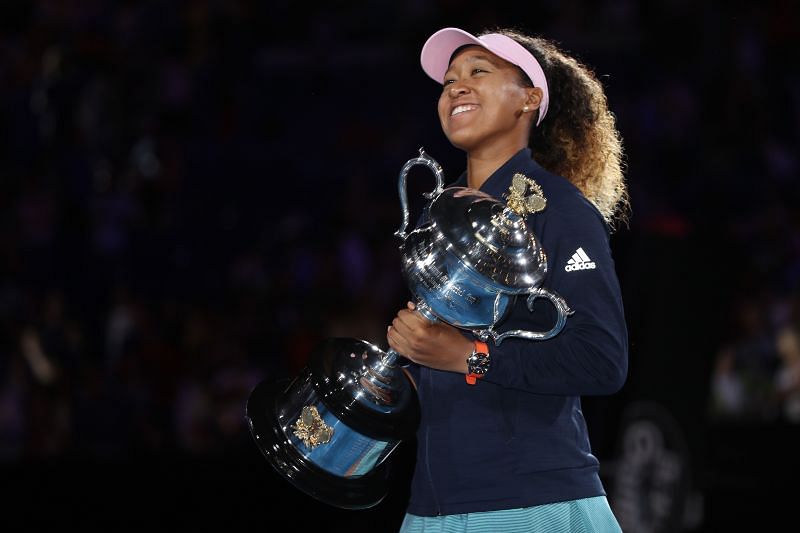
(534, 98)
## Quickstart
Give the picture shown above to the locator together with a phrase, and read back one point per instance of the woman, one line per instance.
(511, 452)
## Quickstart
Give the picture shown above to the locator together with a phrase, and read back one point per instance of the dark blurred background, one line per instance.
(193, 194)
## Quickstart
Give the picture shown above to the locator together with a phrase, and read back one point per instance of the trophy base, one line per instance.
(360, 492)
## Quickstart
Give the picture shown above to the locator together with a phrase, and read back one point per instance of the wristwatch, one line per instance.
(478, 362)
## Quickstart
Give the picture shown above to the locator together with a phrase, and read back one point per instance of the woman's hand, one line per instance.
(432, 344)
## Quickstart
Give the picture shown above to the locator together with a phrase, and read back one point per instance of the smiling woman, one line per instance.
(482, 105)
(508, 449)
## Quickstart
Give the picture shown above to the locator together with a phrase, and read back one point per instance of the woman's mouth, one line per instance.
(462, 109)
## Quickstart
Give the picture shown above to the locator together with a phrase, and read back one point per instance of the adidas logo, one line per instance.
(579, 261)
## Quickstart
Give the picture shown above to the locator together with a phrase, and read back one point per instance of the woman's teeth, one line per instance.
(462, 109)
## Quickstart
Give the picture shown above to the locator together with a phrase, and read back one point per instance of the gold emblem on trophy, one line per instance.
(525, 196)
(311, 429)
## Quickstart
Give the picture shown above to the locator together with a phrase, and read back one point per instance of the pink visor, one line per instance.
(439, 48)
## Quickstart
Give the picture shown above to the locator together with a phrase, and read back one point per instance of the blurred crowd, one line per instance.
(193, 195)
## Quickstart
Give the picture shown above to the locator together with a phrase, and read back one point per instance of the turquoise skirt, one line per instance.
(587, 515)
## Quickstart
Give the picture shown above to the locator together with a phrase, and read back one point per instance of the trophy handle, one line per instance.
(436, 168)
(562, 309)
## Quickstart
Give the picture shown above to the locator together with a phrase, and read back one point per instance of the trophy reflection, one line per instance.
(331, 430)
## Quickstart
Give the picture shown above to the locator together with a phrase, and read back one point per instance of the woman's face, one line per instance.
(482, 101)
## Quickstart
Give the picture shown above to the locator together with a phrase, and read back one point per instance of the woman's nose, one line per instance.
(457, 89)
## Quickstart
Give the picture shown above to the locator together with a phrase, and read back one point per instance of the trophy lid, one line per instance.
(490, 237)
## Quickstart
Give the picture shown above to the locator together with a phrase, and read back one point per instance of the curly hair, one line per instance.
(578, 139)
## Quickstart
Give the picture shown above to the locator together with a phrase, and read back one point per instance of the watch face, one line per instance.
(478, 363)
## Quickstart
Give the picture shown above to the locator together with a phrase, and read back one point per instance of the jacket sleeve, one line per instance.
(590, 354)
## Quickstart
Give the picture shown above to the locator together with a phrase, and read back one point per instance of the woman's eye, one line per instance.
(448, 82)
(477, 70)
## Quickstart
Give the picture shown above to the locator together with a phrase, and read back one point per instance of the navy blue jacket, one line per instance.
(518, 437)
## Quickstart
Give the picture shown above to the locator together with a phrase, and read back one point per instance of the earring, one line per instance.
(525, 109)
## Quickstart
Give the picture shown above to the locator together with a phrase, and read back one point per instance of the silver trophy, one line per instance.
(331, 430)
